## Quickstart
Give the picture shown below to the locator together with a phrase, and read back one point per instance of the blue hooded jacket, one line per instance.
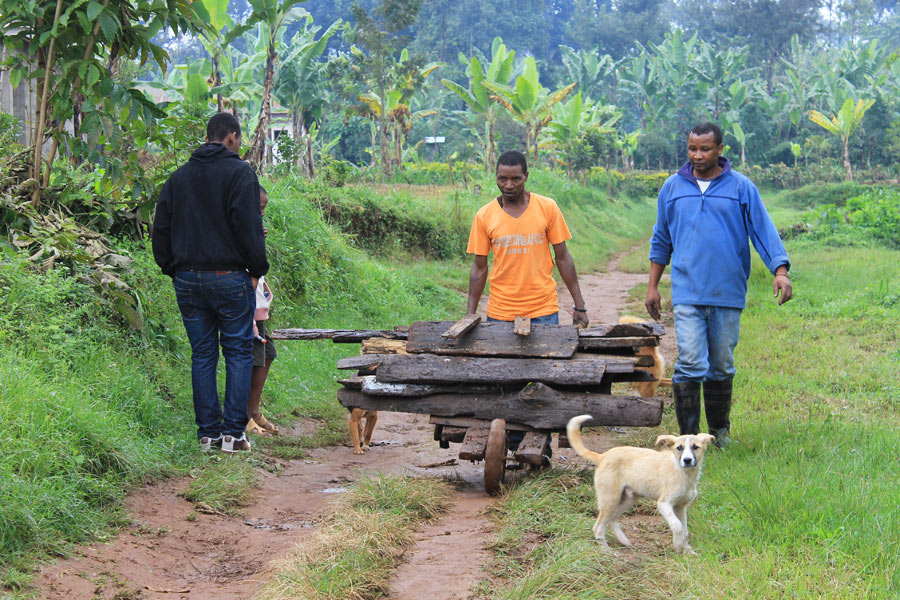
(705, 235)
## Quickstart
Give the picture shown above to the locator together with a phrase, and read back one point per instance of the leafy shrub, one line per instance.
(632, 184)
(809, 196)
(10, 129)
(871, 216)
(438, 173)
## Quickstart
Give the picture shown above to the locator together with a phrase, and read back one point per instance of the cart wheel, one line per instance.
(495, 457)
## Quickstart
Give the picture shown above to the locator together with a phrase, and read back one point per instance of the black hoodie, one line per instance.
(208, 216)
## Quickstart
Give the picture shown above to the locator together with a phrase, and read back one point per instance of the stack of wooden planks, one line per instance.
(534, 376)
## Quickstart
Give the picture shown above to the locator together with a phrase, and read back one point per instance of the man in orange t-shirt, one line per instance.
(520, 227)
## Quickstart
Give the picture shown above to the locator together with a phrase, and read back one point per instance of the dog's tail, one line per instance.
(573, 432)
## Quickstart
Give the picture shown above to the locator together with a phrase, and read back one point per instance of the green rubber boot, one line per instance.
(717, 401)
(687, 406)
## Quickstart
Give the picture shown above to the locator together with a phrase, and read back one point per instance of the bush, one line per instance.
(809, 196)
(871, 217)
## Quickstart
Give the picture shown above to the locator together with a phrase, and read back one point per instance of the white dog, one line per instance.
(668, 474)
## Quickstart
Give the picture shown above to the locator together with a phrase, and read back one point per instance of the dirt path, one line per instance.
(173, 551)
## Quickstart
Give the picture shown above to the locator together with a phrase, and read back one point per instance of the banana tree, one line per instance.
(301, 86)
(590, 70)
(217, 41)
(477, 96)
(844, 124)
(528, 102)
(570, 122)
(715, 70)
(272, 15)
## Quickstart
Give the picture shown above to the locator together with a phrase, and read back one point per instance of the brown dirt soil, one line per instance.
(173, 551)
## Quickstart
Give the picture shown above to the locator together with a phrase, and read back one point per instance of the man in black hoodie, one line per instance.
(208, 236)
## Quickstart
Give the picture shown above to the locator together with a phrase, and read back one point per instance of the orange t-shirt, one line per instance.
(521, 277)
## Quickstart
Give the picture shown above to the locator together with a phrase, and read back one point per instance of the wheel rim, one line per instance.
(495, 457)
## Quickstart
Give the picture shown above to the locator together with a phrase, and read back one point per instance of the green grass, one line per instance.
(353, 554)
(223, 484)
(804, 506)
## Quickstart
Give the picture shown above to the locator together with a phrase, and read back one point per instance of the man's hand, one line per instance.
(652, 302)
(782, 285)
(580, 319)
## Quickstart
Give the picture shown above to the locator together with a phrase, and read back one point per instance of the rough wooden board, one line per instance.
(337, 335)
(383, 346)
(370, 385)
(431, 368)
(617, 342)
(462, 326)
(532, 448)
(638, 360)
(363, 361)
(469, 422)
(537, 406)
(453, 434)
(495, 339)
(474, 444)
(354, 382)
(522, 326)
(623, 330)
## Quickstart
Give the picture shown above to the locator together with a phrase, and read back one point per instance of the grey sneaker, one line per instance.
(206, 443)
(232, 444)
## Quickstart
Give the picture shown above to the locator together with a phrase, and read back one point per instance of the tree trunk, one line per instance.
(257, 152)
(217, 81)
(847, 158)
(492, 151)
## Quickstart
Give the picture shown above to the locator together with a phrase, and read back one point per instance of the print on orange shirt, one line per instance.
(521, 276)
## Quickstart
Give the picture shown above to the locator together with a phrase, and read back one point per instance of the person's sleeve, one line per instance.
(557, 230)
(479, 240)
(246, 223)
(762, 231)
(161, 239)
(661, 242)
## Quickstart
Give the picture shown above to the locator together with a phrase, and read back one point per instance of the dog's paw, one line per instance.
(366, 447)
(357, 451)
(688, 550)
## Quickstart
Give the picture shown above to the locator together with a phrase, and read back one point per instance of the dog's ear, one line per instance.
(706, 439)
(666, 440)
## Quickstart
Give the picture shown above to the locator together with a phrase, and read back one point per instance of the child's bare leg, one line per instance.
(257, 382)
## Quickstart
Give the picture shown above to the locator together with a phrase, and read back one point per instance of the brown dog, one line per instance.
(648, 388)
(357, 432)
(669, 475)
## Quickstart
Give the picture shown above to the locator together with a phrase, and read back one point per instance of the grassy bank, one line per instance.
(804, 505)
(91, 409)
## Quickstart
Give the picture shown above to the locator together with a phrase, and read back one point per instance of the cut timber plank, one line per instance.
(462, 326)
(617, 342)
(522, 326)
(639, 360)
(469, 422)
(474, 444)
(537, 406)
(622, 330)
(430, 368)
(495, 339)
(533, 447)
(363, 361)
(453, 434)
(383, 346)
(376, 388)
(337, 335)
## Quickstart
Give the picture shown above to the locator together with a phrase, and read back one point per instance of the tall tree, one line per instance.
(843, 124)
(377, 39)
(273, 16)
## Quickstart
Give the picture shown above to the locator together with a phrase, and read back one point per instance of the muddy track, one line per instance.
(173, 551)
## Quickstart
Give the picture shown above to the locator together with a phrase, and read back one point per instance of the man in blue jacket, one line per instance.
(706, 216)
(208, 236)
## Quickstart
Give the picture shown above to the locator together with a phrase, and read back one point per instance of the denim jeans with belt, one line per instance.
(217, 308)
(551, 319)
(706, 336)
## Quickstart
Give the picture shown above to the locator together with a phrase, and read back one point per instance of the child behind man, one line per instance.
(263, 347)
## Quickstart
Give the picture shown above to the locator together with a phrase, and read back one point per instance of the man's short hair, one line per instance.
(708, 127)
(511, 158)
(220, 125)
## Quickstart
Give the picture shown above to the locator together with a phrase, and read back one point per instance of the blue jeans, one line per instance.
(217, 308)
(552, 319)
(706, 336)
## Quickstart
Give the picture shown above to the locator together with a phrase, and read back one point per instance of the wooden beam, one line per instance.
(474, 444)
(383, 346)
(339, 336)
(363, 361)
(616, 342)
(622, 330)
(533, 447)
(469, 422)
(639, 360)
(462, 326)
(431, 368)
(537, 406)
(495, 339)
(522, 326)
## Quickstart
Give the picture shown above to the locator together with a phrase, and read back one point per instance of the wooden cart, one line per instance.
(479, 381)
